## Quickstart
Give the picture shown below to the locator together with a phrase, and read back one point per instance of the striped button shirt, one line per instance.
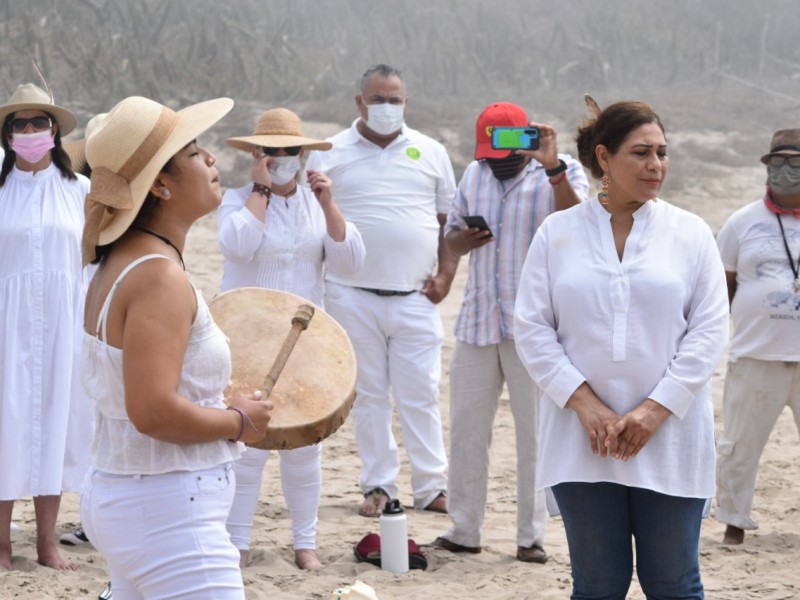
(513, 209)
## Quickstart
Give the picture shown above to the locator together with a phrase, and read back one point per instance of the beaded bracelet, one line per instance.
(262, 191)
(244, 416)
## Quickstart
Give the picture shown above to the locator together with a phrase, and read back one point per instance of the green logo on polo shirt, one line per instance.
(413, 153)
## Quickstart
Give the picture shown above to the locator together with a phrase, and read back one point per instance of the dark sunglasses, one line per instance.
(39, 124)
(776, 160)
(291, 150)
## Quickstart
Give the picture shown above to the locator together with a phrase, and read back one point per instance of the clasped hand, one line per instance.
(621, 437)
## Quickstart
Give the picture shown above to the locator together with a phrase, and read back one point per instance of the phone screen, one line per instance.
(515, 138)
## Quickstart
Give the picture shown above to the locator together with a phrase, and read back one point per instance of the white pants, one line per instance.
(398, 341)
(756, 391)
(163, 536)
(477, 374)
(301, 480)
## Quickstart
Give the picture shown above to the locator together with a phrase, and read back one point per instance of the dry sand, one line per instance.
(767, 566)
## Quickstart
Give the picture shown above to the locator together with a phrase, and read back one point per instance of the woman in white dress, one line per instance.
(279, 235)
(45, 422)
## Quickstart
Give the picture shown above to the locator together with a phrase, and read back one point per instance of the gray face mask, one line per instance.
(784, 180)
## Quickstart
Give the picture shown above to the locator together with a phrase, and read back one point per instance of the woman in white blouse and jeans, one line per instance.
(279, 235)
(621, 318)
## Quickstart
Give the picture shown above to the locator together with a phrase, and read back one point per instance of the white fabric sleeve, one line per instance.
(345, 258)
(728, 244)
(706, 335)
(535, 329)
(240, 232)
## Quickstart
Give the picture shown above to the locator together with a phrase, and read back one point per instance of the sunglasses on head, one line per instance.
(776, 160)
(39, 124)
(291, 150)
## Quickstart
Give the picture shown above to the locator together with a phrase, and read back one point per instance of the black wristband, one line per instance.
(562, 166)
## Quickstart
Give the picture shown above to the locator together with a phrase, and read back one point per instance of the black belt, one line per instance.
(388, 292)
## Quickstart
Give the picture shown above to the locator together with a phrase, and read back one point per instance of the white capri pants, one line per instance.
(164, 536)
(301, 480)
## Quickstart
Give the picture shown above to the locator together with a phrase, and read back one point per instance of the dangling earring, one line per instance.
(603, 195)
(165, 193)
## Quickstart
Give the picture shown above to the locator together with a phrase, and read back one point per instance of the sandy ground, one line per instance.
(766, 566)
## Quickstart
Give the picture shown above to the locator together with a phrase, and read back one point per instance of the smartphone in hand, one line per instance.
(515, 138)
(479, 222)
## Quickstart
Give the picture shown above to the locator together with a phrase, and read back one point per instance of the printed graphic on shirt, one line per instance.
(773, 265)
(413, 153)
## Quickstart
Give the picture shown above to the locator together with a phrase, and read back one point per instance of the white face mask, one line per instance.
(385, 118)
(282, 169)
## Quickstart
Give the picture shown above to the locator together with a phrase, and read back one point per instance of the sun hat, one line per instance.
(278, 128)
(499, 114)
(77, 149)
(127, 151)
(784, 141)
(31, 97)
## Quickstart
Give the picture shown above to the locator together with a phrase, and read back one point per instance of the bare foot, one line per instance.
(49, 556)
(373, 504)
(244, 558)
(307, 559)
(733, 536)
(439, 505)
(5, 558)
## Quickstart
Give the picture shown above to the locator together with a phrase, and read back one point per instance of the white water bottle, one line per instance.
(394, 538)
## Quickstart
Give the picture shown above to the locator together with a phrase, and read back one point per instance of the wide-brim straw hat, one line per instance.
(784, 141)
(31, 97)
(127, 152)
(278, 128)
(76, 150)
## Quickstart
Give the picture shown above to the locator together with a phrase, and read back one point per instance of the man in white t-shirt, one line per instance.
(760, 248)
(396, 185)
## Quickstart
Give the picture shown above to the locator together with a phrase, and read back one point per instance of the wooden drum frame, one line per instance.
(315, 390)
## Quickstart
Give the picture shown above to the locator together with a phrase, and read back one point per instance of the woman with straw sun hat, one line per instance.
(156, 500)
(45, 422)
(279, 235)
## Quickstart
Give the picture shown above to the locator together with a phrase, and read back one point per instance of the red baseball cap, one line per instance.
(499, 114)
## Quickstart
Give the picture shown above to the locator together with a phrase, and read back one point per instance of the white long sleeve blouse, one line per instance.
(653, 325)
(288, 251)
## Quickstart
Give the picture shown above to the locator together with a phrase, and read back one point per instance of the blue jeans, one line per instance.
(600, 518)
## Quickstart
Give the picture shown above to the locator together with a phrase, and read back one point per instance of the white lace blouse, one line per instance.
(118, 447)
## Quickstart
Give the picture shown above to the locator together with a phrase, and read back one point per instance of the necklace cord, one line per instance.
(795, 268)
(164, 239)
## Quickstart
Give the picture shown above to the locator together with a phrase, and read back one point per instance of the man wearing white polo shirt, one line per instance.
(396, 185)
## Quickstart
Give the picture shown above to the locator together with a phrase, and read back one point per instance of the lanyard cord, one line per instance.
(795, 268)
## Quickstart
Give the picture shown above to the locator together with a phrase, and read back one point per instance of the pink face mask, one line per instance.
(32, 147)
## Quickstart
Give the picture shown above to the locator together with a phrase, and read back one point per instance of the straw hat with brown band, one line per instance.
(278, 128)
(127, 151)
(76, 150)
(31, 97)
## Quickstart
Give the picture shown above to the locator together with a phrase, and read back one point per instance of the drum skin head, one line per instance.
(316, 389)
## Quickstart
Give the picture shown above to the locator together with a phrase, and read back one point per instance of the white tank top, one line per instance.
(118, 448)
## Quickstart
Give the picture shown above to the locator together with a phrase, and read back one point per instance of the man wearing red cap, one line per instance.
(760, 249)
(513, 191)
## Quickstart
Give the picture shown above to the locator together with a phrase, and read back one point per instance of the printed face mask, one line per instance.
(784, 180)
(385, 118)
(32, 147)
(282, 169)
